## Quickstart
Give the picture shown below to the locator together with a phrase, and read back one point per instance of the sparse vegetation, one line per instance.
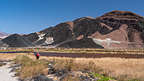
(101, 77)
(104, 69)
(118, 69)
(78, 50)
(71, 78)
(71, 65)
(29, 67)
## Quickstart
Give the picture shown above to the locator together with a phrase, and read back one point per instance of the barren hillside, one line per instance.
(123, 27)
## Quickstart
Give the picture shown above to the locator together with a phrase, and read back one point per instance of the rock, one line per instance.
(83, 43)
(41, 78)
(38, 78)
(85, 26)
(31, 37)
(61, 32)
(3, 45)
(16, 40)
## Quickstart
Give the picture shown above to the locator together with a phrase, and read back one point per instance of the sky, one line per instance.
(27, 16)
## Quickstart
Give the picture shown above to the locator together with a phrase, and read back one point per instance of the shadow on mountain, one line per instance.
(83, 43)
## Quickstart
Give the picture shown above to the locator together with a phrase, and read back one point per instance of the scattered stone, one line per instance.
(41, 78)
(1, 64)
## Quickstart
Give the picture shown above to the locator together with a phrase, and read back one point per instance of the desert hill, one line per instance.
(125, 28)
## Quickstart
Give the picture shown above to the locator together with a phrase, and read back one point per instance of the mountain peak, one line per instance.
(118, 13)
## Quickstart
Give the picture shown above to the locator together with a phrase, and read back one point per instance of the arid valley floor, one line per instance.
(78, 69)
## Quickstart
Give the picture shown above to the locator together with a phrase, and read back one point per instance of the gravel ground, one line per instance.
(6, 74)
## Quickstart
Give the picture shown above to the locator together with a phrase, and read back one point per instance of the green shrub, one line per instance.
(101, 77)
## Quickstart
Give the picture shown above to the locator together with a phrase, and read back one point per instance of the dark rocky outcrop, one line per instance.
(61, 32)
(31, 37)
(83, 43)
(38, 78)
(85, 26)
(17, 40)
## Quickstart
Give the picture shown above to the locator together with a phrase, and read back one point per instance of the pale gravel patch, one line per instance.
(6, 74)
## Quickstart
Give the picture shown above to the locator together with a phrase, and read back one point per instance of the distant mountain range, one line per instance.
(114, 29)
(3, 35)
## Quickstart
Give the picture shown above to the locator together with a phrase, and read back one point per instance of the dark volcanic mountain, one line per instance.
(17, 40)
(114, 29)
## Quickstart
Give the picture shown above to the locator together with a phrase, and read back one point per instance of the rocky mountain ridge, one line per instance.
(111, 30)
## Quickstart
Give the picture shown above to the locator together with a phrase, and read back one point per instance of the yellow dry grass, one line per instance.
(8, 56)
(78, 50)
(115, 67)
(30, 67)
(120, 68)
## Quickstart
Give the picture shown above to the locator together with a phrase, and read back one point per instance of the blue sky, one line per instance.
(26, 16)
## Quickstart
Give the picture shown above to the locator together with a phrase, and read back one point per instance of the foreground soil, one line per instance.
(6, 74)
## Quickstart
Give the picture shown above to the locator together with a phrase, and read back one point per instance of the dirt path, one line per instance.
(83, 55)
(6, 74)
(92, 55)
